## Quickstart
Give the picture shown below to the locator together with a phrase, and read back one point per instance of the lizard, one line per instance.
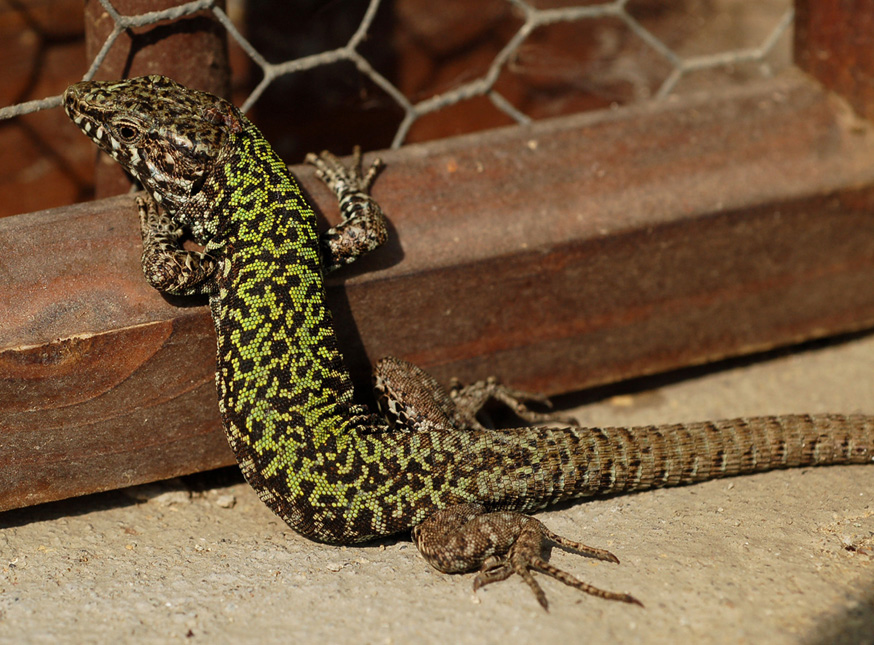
(332, 469)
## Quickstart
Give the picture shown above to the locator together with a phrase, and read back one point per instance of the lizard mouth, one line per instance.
(74, 107)
(72, 103)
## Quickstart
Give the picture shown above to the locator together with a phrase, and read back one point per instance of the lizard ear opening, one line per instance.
(223, 113)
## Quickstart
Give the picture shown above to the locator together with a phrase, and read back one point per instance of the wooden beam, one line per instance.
(557, 256)
(833, 44)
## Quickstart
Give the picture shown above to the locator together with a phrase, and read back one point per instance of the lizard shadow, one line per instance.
(854, 624)
(337, 284)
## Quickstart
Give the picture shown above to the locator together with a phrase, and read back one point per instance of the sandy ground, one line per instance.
(781, 557)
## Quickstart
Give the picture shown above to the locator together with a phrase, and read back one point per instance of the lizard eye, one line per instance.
(126, 130)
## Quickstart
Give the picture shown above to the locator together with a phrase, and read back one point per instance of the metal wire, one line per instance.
(483, 86)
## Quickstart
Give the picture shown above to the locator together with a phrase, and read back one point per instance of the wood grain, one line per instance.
(832, 43)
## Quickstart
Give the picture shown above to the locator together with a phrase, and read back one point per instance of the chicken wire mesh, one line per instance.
(387, 72)
(533, 19)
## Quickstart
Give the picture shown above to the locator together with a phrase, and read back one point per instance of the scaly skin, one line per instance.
(330, 468)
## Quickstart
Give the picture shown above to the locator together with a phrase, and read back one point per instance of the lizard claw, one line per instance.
(343, 179)
(363, 226)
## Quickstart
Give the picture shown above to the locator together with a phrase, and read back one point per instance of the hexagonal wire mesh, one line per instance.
(662, 61)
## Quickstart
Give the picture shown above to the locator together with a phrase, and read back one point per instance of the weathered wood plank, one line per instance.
(833, 44)
(557, 256)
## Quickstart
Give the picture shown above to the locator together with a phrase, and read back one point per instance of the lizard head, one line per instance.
(167, 136)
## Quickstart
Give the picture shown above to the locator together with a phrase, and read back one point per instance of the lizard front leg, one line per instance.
(467, 537)
(167, 266)
(364, 225)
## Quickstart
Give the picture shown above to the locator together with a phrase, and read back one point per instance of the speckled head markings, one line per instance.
(331, 469)
(167, 139)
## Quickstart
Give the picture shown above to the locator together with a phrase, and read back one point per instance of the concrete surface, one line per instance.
(781, 557)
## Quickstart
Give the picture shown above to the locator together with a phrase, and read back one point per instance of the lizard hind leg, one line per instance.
(467, 537)
(470, 399)
(411, 399)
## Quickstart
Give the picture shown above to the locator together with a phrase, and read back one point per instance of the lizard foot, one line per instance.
(467, 537)
(166, 265)
(411, 399)
(340, 178)
(363, 226)
(470, 399)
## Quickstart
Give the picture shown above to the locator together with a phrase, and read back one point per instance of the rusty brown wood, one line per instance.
(833, 44)
(558, 256)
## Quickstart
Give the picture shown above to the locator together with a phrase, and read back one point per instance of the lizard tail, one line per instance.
(614, 460)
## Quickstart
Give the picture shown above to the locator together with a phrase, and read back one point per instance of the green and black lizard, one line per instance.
(332, 469)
